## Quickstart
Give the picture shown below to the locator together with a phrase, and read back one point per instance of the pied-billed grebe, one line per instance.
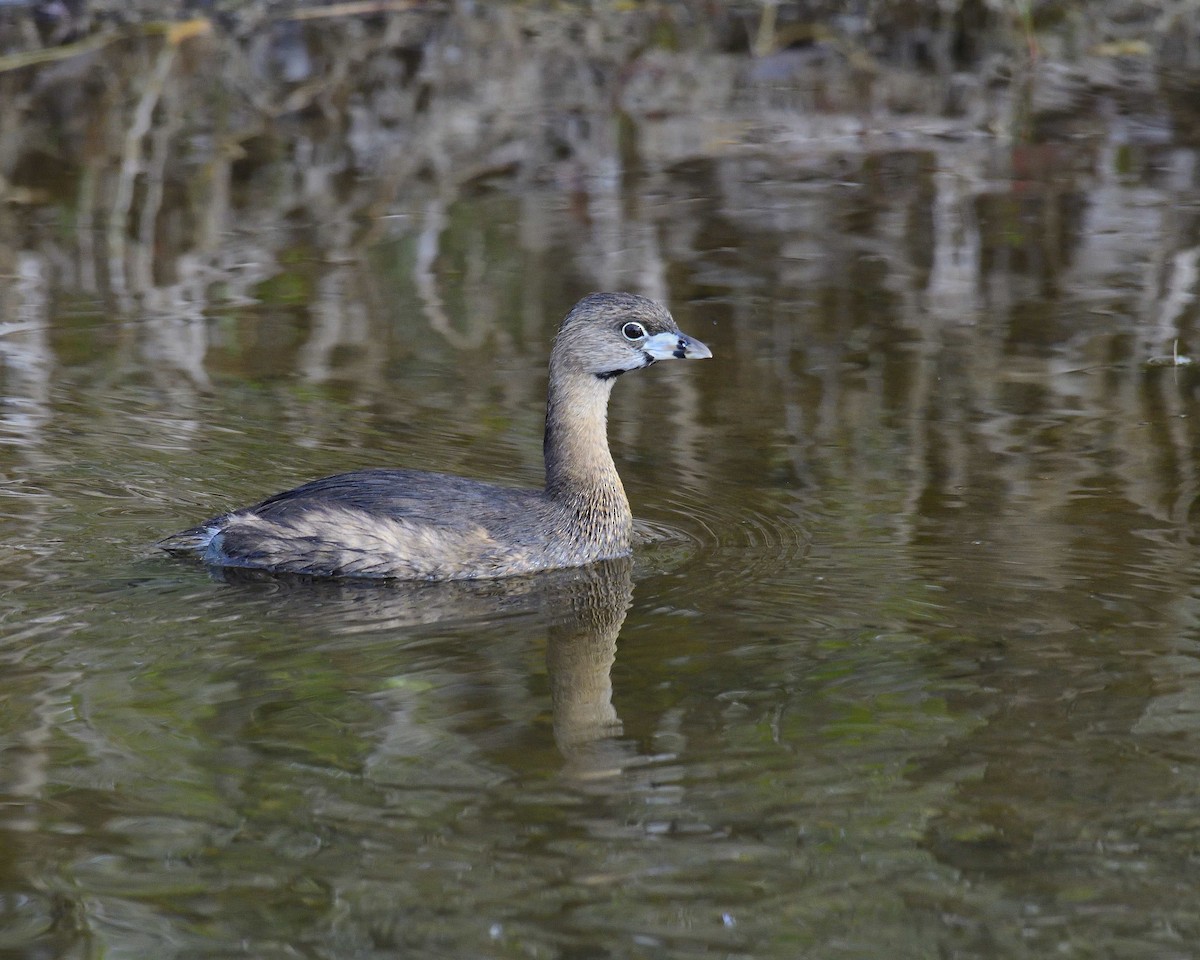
(412, 525)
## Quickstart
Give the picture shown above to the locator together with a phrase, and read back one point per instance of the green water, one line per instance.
(906, 664)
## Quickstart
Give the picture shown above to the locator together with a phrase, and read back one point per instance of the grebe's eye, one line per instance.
(633, 331)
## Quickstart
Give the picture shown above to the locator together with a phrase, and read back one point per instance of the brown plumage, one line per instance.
(411, 525)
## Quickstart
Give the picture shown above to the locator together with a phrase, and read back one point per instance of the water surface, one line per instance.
(906, 662)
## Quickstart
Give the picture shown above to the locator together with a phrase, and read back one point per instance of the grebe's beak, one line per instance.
(674, 346)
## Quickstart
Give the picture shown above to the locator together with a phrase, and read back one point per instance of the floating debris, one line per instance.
(1176, 359)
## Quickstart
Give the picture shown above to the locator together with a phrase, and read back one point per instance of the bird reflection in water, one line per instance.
(582, 610)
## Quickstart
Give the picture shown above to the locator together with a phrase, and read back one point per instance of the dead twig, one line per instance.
(175, 34)
(359, 8)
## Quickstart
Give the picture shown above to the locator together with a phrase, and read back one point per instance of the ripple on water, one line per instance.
(727, 543)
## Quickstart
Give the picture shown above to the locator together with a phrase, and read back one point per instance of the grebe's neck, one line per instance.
(580, 473)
